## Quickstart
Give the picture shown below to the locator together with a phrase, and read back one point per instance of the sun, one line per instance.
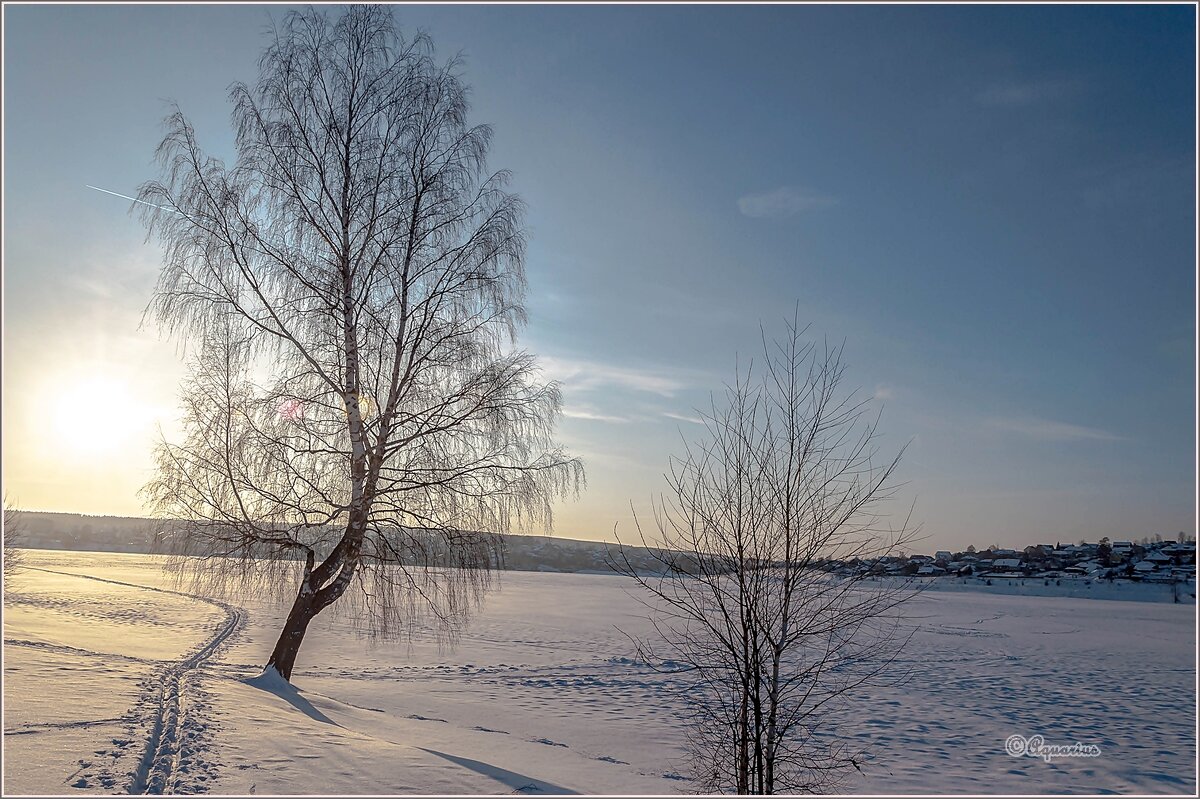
(93, 416)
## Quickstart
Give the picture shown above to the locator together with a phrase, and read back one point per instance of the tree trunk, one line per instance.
(743, 764)
(773, 710)
(317, 592)
(304, 609)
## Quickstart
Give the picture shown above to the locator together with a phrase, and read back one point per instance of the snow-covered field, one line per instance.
(112, 682)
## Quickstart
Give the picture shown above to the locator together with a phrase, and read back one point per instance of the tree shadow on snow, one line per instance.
(271, 682)
(518, 782)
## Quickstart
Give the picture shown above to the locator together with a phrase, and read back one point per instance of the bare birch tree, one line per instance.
(12, 539)
(786, 480)
(358, 413)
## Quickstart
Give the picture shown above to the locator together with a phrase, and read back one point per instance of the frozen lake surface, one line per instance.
(113, 681)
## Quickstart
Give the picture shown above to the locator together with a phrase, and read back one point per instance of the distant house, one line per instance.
(1159, 577)
(1184, 552)
(942, 556)
(1006, 564)
(930, 570)
(1145, 567)
(1158, 557)
(1086, 566)
(1183, 574)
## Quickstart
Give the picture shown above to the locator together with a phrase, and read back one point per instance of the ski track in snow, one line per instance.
(73, 650)
(171, 707)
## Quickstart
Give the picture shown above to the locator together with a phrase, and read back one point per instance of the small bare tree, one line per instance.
(357, 412)
(753, 594)
(12, 539)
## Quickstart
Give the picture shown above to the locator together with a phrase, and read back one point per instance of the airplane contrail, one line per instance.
(152, 205)
(134, 199)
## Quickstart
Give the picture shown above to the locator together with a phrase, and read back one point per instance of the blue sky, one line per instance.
(993, 206)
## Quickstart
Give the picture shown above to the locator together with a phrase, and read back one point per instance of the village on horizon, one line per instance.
(1152, 559)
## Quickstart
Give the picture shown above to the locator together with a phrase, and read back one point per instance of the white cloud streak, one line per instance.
(579, 375)
(1018, 94)
(593, 416)
(782, 202)
(1050, 430)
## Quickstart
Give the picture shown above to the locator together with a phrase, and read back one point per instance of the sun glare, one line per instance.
(94, 416)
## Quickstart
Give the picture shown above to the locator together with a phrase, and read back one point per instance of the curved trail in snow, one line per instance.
(156, 772)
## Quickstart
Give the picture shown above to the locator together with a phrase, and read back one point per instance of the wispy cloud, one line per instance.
(1014, 94)
(594, 416)
(583, 375)
(1050, 430)
(883, 392)
(92, 287)
(782, 202)
(683, 417)
(1154, 184)
(108, 271)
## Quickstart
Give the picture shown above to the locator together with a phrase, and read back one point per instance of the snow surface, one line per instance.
(1077, 587)
(110, 687)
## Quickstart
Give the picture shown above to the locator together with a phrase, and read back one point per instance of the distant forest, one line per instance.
(45, 530)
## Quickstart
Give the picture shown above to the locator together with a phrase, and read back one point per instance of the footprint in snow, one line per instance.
(417, 717)
(608, 759)
(487, 729)
(548, 742)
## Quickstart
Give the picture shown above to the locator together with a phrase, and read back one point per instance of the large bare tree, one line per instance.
(350, 288)
(785, 481)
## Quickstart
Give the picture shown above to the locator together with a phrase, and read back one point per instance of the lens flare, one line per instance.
(366, 407)
(291, 409)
